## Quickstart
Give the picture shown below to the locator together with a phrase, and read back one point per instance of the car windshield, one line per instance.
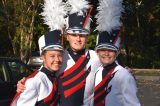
(18, 70)
(13, 70)
(2, 76)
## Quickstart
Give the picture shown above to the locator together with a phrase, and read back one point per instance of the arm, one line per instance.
(20, 85)
(130, 70)
(129, 90)
(29, 95)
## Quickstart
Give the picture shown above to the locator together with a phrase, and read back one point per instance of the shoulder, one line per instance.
(94, 57)
(122, 73)
(122, 70)
(123, 78)
(36, 80)
(65, 53)
(93, 54)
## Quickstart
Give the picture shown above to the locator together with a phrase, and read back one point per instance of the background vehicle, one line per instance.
(11, 70)
(35, 61)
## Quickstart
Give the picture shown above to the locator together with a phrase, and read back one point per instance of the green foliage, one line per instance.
(39, 30)
(140, 34)
(91, 42)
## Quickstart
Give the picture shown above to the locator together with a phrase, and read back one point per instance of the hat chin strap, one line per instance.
(117, 53)
(53, 46)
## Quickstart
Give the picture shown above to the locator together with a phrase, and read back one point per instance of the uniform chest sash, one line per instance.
(53, 98)
(18, 94)
(74, 78)
(102, 89)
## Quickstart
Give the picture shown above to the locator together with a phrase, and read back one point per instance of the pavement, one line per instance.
(148, 83)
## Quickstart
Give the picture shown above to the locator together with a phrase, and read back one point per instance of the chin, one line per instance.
(78, 49)
(56, 69)
(105, 64)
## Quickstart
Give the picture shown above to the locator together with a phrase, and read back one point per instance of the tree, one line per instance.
(141, 30)
(20, 18)
(21, 25)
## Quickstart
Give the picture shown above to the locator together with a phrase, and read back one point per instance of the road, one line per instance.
(149, 89)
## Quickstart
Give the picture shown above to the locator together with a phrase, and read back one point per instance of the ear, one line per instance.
(117, 53)
(67, 37)
(86, 38)
(42, 57)
(95, 50)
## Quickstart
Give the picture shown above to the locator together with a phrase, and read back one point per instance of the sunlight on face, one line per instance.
(77, 42)
(52, 60)
(106, 56)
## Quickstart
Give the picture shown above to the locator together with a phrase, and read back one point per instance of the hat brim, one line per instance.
(107, 46)
(77, 30)
(53, 47)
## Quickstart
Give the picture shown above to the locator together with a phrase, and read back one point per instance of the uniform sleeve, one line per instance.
(30, 94)
(129, 90)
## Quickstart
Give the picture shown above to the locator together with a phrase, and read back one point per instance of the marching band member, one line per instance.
(42, 86)
(114, 85)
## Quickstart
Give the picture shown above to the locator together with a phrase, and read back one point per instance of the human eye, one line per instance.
(52, 56)
(60, 55)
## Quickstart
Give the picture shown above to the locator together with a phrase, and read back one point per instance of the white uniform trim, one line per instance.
(94, 63)
(89, 87)
(123, 91)
(37, 88)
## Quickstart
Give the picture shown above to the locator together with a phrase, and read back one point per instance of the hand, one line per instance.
(20, 85)
(129, 70)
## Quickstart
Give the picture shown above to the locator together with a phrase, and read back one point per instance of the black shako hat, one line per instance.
(109, 41)
(50, 41)
(53, 12)
(79, 24)
(109, 24)
(79, 19)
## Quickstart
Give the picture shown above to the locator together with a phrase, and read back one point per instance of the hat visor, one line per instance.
(53, 47)
(107, 46)
(77, 30)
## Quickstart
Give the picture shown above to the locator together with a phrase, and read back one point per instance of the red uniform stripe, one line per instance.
(54, 90)
(99, 94)
(55, 102)
(87, 18)
(74, 67)
(73, 79)
(74, 89)
(101, 103)
(17, 94)
(104, 80)
(117, 37)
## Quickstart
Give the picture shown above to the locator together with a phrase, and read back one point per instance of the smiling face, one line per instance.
(52, 59)
(77, 42)
(107, 56)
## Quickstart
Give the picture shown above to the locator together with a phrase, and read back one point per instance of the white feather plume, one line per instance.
(78, 6)
(109, 14)
(54, 13)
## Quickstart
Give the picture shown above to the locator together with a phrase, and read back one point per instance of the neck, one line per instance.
(82, 51)
(109, 65)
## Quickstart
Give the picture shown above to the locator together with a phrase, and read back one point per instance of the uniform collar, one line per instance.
(49, 74)
(107, 68)
(81, 52)
(76, 55)
(110, 66)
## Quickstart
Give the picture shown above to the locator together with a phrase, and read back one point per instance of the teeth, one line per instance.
(105, 57)
(77, 43)
(56, 64)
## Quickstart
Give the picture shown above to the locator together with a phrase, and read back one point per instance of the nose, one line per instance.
(106, 52)
(78, 38)
(57, 58)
